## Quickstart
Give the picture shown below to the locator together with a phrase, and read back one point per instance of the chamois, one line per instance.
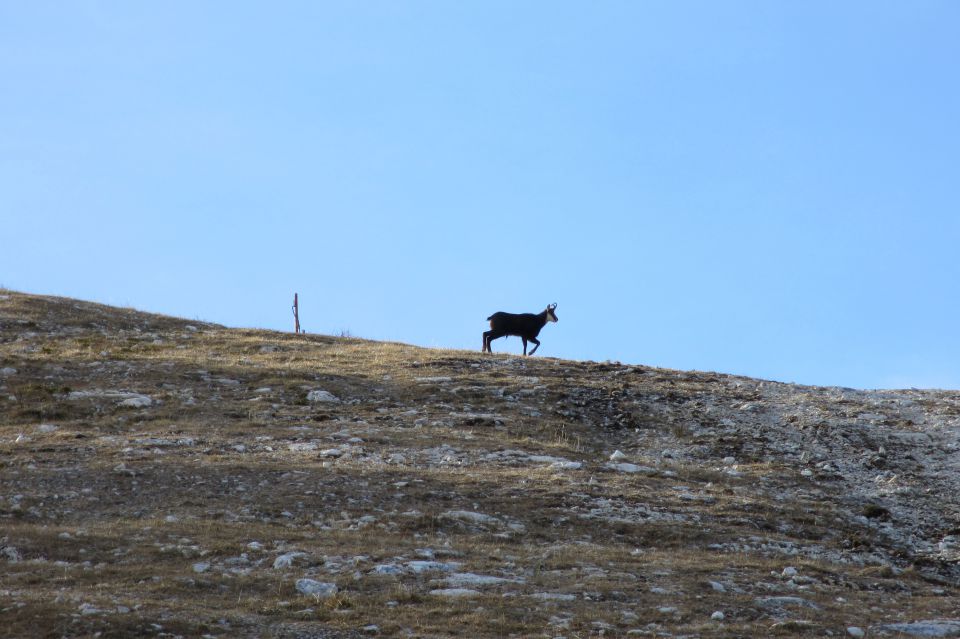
(526, 326)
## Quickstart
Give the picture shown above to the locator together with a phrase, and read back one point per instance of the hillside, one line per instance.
(166, 477)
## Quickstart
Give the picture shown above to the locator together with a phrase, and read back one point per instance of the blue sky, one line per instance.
(760, 188)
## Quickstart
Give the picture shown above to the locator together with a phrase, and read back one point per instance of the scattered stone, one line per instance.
(11, 553)
(780, 602)
(855, 631)
(322, 396)
(460, 579)
(617, 456)
(455, 593)
(624, 467)
(418, 567)
(287, 560)
(7, 371)
(47, 428)
(387, 569)
(136, 402)
(122, 398)
(318, 589)
(932, 628)
(793, 627)
(201, 566)
(566, 465)
(553, 596)
(470, 517)
(718, 616)
(302, 447)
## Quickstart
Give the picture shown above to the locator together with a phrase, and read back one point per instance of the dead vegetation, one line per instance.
(162, 477)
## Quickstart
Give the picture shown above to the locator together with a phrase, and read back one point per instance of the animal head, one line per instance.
(551, 316)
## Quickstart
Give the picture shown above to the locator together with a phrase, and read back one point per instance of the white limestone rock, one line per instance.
(318, 589)
(319, 395)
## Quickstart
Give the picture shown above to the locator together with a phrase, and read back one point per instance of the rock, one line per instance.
(717, 586)
(470, 517)
(932, 628)
(855, 631)
(7, 371)
(201, 566)
(89, 609)
(566, 465)
(794, 627)
(322, 396)
(122, 398)
(418, 567)
(617, 456)
(387, 569)
(456, 593)
(718, 616)
(136, 402)
(553, 596)
(789, 571)
(631, 468)
(46, 428)
(780, 602)
(318, 589)
(287, 560)
(11, 553)
(459, 579)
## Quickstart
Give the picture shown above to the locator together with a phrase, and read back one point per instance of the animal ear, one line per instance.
(552, 306)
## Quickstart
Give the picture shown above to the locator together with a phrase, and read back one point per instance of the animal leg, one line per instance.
(524, 345)
(489, 336)
(486, 342)
(536, 345)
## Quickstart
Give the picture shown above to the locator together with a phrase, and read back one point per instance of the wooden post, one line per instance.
(296, 315)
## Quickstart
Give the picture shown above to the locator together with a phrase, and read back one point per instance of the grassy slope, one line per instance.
(104, 517)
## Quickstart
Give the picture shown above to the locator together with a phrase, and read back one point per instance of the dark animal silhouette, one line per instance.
(526, 326)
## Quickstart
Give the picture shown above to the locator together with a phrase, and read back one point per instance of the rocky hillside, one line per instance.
(164, 477)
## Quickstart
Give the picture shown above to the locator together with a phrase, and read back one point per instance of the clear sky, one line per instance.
(762, 188)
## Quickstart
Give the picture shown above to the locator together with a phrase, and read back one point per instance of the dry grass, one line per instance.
(112, 510)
